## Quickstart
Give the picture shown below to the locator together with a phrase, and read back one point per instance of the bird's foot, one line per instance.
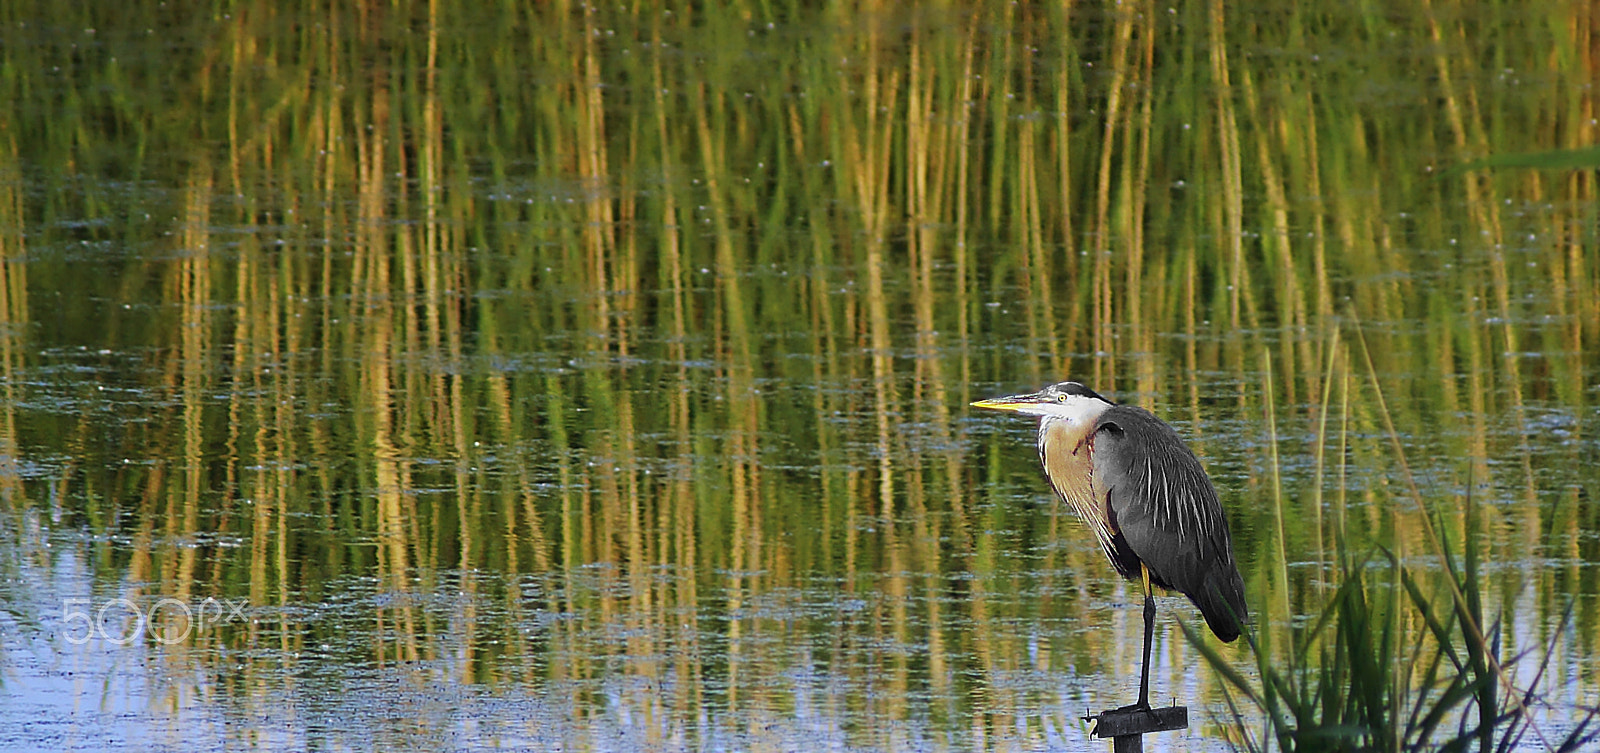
(1143, 705)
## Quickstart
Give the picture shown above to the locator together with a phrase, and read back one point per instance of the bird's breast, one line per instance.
(1065, 450)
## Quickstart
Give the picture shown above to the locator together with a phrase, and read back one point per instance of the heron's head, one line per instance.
(1067, 401)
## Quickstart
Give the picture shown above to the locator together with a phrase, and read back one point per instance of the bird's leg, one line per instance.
(1149, 636)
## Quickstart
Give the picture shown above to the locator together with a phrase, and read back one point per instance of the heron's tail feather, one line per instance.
(1221, 602)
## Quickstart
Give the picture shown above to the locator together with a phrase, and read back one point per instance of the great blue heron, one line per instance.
(1130, 477)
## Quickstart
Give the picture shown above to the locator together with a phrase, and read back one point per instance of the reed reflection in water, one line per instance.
(592, 377)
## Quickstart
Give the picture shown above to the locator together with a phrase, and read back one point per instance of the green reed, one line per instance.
(1362, 676)
(1356, 681)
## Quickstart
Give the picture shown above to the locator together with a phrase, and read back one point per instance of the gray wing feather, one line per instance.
(1163, 503)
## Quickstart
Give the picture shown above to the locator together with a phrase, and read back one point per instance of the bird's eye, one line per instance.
(1061, 398)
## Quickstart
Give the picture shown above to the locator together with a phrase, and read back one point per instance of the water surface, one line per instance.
(595, 378)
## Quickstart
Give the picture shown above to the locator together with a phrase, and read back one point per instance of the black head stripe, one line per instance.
(1076, 388)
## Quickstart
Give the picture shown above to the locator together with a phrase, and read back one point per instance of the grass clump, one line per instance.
(1355, 681)
(1399, 658)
